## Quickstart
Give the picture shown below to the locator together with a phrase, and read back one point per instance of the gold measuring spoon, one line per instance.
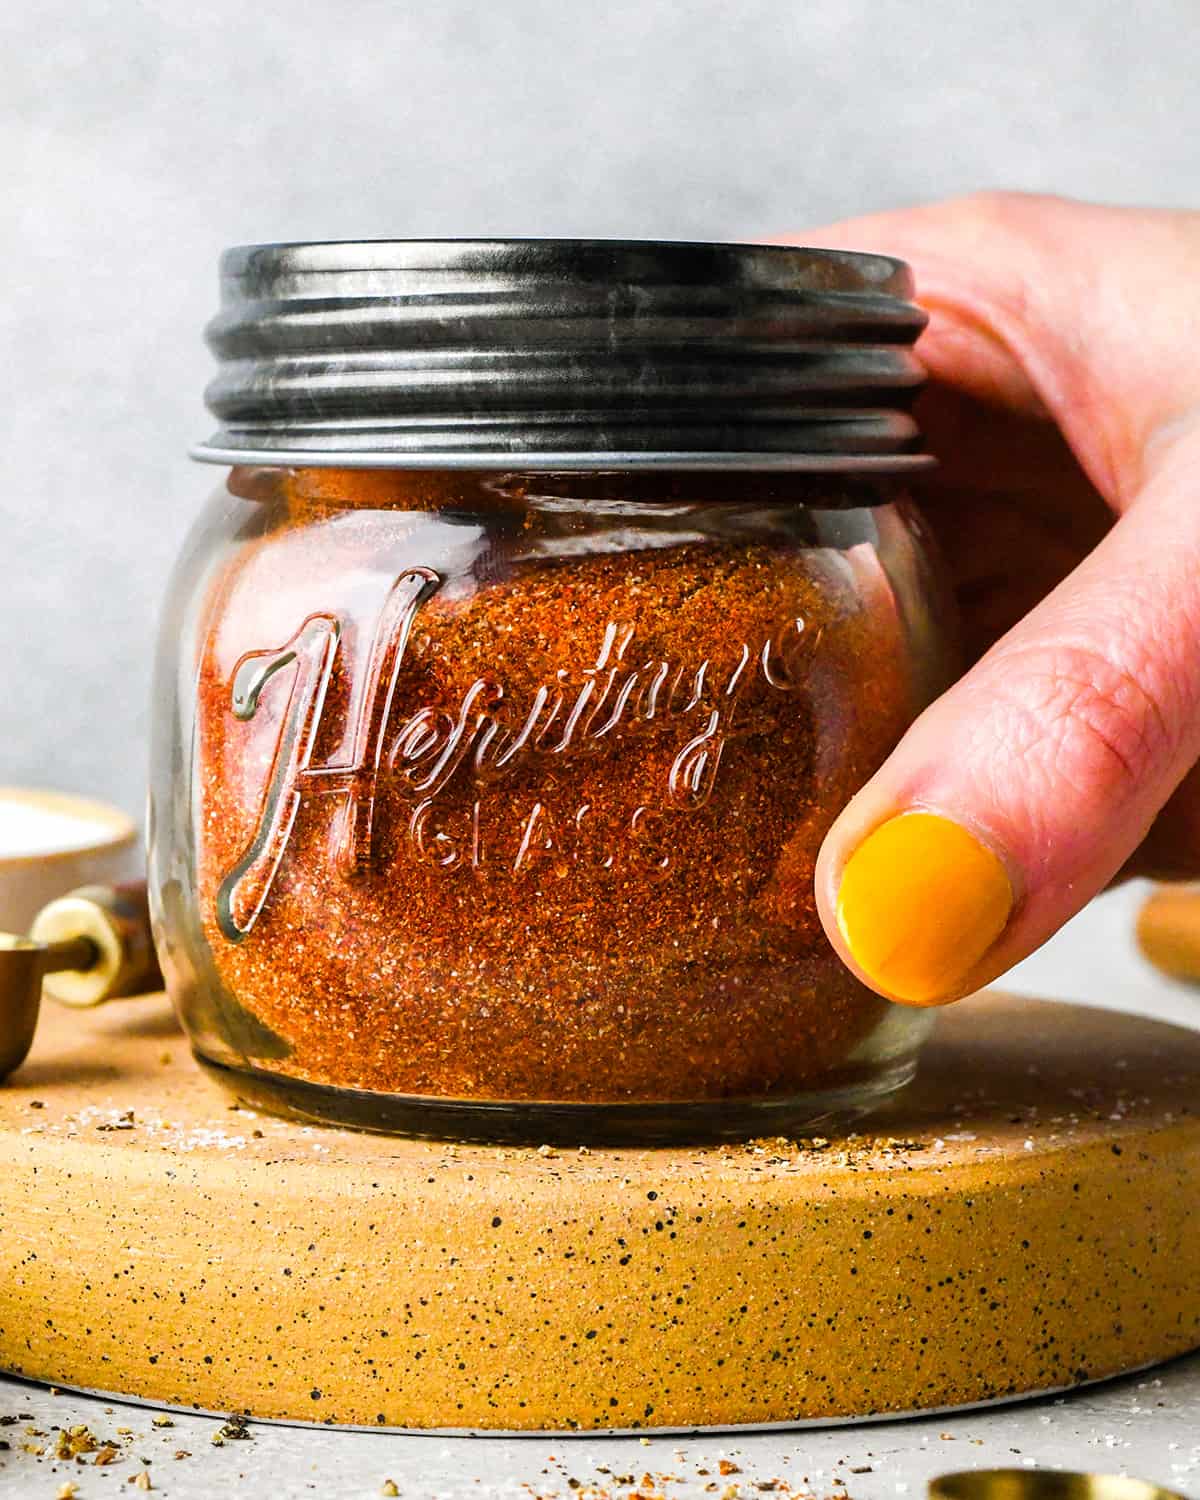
(1043, 1484)
(87, 947)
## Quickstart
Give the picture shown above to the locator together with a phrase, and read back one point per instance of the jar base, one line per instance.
(519, 1123)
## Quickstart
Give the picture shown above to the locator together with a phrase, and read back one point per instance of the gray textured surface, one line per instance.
(1147, 1425)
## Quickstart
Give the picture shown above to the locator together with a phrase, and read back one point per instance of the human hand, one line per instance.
(1064, 404)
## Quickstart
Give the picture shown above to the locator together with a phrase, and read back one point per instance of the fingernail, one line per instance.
(921, 901)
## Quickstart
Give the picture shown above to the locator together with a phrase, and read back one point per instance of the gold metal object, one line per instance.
(87, 947)
(1043, 1484)
(115, 920)
(1168, 930)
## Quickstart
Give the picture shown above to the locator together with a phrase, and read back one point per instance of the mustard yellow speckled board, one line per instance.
(1026, 1217)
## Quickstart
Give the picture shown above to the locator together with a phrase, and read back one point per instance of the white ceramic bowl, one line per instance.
(51, 842)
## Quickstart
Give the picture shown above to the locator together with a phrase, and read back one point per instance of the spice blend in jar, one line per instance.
(500, 786)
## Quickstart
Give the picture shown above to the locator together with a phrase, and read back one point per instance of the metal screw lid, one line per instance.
(563, 354)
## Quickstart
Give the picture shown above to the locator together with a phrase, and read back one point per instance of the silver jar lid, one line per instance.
(564, 354)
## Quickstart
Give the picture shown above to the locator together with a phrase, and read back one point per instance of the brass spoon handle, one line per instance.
(119, 959)
(79, 953)
(88, 947)
(1168, 930)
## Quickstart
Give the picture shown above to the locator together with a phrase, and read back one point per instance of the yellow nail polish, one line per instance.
(921, 901)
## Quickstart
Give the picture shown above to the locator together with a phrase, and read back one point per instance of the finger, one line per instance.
(1023, 790)
(1075, 311)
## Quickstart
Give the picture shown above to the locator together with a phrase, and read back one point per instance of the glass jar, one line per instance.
(491, 764)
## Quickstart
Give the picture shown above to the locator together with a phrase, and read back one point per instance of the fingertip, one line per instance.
(916, 905)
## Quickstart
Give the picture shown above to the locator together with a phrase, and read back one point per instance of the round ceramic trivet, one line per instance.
(1026, 1217)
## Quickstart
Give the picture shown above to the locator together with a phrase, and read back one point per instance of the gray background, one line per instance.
(137, 140)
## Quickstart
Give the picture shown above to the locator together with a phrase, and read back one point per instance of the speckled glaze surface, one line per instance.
(1023, 1218)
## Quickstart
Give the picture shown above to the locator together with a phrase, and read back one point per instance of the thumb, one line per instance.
(1022, 791)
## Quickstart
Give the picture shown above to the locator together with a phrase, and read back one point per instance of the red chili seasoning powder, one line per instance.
(507, 797)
